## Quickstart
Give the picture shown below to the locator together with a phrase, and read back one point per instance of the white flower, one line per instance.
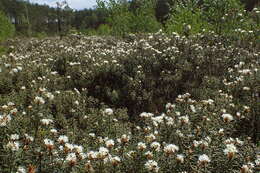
(179, 133)
(10, 104)
(28, 138)
(187, 27)
(49, 95)
(100, 139)
(89, 167)
(192, 107)
(108, 111)
(170, 106)
(156, 146)
(110, 143)
(149, 155)
(69, 146)
(61, 148)
(157, 120)
(76, 102)
(92, 135)
(82, 156)
(246, 88)
(71, 158)
(152, 165)
(169, 121)
(146, 115)
(63, 139)
(115, 160)
(49, 144)
(78, 148)
(245, 169)
(103, 152)
(5, 107)
(184, 119)
(177, 113)
(257, 161)
(149, 138)
(180, 158)
(14, 137)
(196, 143)
(21, 170)
(221, 131)
(39, 100)
(19, 68)
(208, 139)
(229, 141)
(92, 155)
(46, 121)
(203, 159)
(14, 70)
(238, 141)
(170, 149)
(54, 131)
(4, 119)
(14, 146)
(227, 117)
(209, 101)
(141, 146)
(124, 139)
(230, 150)
(13, 111)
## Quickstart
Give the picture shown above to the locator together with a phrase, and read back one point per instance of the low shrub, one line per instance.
(146, 103)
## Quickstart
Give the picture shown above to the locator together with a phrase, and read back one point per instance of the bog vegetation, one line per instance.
(143, 92)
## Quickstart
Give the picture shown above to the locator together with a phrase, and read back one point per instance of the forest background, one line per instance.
(117, 17)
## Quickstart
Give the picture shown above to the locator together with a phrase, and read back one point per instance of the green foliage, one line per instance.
(104, 29)
(6, 31)
(6, 28)
(89, 31)
(225, 16)
(144, 21)
(2, 50)
(186, 21)
(122, 20)
(40, 35)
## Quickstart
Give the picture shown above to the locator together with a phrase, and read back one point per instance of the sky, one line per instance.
(74, 4)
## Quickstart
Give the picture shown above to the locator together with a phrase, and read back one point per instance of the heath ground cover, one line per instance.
(143, 103)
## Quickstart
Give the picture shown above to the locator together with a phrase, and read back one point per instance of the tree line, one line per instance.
(30, 19)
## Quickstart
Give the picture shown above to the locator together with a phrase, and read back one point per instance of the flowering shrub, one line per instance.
(145, 103)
